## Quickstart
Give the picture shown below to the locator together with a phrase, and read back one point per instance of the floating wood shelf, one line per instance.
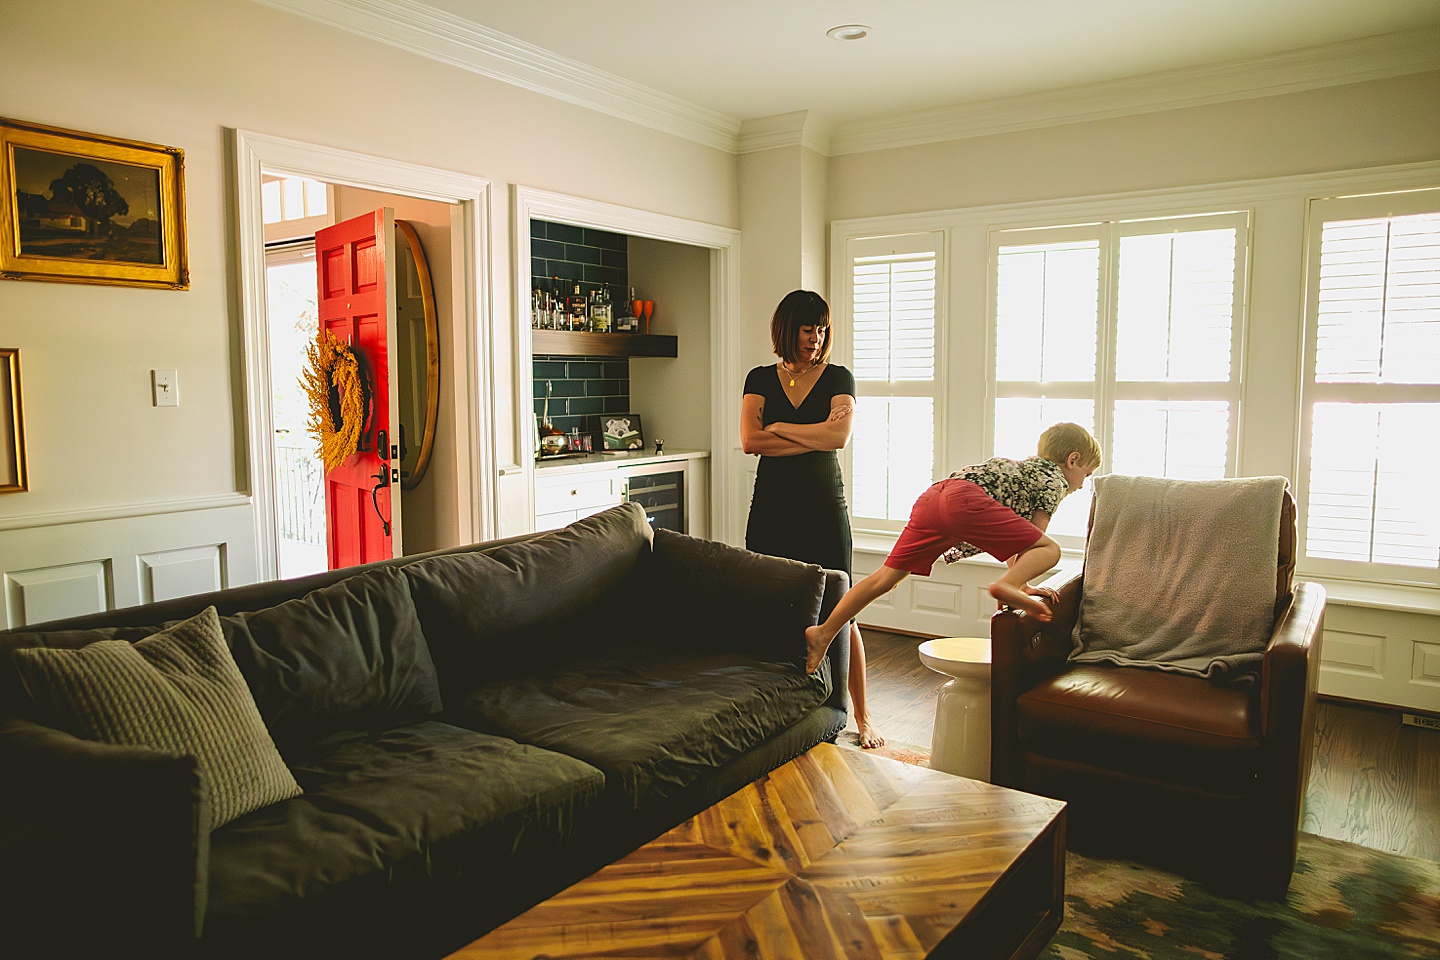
(575, 343)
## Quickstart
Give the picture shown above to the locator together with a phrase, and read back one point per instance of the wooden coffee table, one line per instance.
(836, 854)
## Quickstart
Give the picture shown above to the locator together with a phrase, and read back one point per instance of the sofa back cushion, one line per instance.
(346, 657)
(733, 599)
(485, 611)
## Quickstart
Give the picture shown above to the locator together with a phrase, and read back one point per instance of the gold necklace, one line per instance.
(793, 375)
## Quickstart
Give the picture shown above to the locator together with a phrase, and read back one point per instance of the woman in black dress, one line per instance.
(797, 414)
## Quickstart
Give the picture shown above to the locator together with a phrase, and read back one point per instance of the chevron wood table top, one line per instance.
(836, 854)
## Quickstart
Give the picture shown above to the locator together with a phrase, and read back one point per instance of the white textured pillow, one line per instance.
(178, 691)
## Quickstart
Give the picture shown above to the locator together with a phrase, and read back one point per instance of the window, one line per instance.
(1132, 330)
(1372, 388)
(294, 206)
(894, 298)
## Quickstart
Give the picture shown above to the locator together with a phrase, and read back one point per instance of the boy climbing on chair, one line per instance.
(1000, 507)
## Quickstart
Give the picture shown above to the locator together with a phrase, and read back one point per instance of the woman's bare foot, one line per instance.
(869, 738)
(815, 648)
(1012, 595)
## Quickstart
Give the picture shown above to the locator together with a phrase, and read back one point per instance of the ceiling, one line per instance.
(757, 58)
(704, 68)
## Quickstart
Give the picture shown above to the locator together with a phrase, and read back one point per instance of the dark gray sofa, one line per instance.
(473, 730)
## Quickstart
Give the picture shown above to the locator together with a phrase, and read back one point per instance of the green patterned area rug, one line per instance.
(1345, 901)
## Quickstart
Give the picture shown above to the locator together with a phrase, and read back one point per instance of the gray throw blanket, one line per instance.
(1180, 574)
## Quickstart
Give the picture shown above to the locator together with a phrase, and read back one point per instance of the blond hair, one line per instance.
(1062, 439)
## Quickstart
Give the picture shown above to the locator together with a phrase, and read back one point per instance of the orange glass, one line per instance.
(649, 310)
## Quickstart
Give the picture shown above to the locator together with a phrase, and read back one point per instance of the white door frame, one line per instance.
(469, 229)
(724, 246)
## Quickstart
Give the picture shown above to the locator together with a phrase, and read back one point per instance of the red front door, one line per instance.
(356, 301)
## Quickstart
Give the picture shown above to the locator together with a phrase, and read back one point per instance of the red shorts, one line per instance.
(959, 511)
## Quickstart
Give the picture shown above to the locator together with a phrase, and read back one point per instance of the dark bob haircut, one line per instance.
(799, 308)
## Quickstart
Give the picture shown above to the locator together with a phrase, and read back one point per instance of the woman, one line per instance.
(796, 415)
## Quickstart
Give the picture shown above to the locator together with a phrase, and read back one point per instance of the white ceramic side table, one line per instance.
(961, 744)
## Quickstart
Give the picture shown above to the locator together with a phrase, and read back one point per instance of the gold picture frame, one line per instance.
(13, 477)
(85, 208)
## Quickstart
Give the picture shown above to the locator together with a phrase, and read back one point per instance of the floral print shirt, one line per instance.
(1026, 486)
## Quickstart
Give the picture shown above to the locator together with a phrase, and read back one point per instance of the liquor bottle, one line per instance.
(558, 320)
(579, 310)
(601, 312)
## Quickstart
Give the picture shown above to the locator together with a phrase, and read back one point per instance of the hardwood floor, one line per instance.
(1373, 781)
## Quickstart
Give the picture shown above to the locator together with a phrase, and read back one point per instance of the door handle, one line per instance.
(383, 476)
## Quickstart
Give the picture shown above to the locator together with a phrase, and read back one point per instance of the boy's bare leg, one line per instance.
(870, 738)
(857, 598)
(1013, 588)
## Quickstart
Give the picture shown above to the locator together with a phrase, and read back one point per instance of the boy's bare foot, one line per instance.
(869, 738)
(1013, 596)
(815, 648)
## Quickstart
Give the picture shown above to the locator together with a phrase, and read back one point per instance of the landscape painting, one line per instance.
(86, 208)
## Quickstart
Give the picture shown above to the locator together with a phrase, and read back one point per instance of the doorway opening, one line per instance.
(299, 492)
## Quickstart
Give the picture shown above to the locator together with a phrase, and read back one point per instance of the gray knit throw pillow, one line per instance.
(179, 692)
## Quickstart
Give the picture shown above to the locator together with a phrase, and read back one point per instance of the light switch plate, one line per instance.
(165, 388)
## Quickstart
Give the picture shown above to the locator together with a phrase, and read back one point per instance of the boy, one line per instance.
(1000, 507)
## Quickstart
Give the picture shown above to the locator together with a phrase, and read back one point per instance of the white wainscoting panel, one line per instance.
(49, 593)
(1426, 666)
(951, 602)
(181, 573)
(1389, 657)
(1356, 654)
(65, 565)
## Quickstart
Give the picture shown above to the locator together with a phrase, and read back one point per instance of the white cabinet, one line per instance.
(563, 498)
(674, 489)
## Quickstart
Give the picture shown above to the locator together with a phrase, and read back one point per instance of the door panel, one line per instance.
(356, 304)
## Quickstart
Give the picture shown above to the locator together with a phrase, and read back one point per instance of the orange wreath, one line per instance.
(335, 384)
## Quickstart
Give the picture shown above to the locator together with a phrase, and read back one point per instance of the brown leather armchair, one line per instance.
(1201, 777)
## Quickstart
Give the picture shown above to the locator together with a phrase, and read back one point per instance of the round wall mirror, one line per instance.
(418, 352)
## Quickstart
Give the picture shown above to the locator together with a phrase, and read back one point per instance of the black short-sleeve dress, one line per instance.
(798, 509)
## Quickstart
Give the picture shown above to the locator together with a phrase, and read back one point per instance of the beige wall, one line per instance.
(1338, 128)
(180, 73)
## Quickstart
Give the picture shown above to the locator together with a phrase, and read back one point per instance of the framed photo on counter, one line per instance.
(619, 432)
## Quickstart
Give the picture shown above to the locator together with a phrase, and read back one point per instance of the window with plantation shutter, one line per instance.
(1373, 387)
(1128, 328)
(894, 307)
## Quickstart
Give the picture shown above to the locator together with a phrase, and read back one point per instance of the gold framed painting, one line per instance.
(13, 478)
(85, 208)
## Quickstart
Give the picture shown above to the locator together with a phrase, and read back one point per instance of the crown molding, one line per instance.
(803, 128)
(1351, 61)
(415, 27)
(438, 35)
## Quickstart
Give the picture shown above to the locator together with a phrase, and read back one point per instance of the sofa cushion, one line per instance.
(654, 721)
(387, 825)
(483, 612)
(696, 582)
(177, 691)
(349, 656)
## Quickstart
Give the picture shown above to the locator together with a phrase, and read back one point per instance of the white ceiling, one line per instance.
(757, 58)
(750, 74)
